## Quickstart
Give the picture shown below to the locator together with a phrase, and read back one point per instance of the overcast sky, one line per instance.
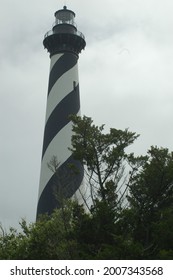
(125, 77)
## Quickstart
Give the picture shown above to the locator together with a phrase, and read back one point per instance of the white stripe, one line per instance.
(61, 88)
(54, 59)
(59, 148)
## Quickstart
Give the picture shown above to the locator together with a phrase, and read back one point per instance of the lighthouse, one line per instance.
(61, 175)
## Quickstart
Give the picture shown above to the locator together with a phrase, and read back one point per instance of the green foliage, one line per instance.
(48, 238)
(103, 155)
(151, 200)
(131, 213)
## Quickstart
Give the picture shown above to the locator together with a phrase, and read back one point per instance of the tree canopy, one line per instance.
(128, 212)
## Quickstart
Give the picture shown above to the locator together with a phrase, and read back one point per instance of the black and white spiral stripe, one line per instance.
(63, 100)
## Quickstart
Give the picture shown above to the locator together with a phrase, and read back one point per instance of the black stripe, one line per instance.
(63, 64)
(62, 185)
(70, 105)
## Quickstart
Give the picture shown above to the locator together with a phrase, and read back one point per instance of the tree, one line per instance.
(45, 239)
(108, 169)
(131, 211)
(151, 201)
(103, 155)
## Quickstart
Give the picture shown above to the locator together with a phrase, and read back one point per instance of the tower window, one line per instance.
(74, 85)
